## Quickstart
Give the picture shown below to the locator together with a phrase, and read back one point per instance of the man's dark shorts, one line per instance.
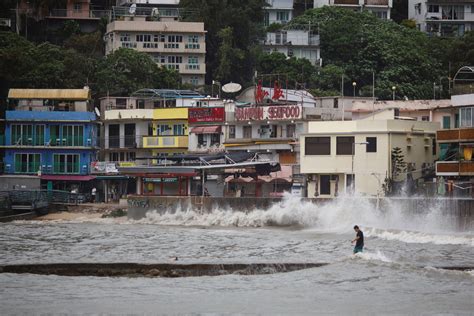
(358, 249)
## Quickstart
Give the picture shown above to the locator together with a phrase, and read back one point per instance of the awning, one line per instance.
(206, 129)
(285, 175)
(112, 177)
(49, 177)
(51, 94)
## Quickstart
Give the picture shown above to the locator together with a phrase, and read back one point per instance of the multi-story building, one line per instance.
(171, 43)
(50, 134)
(206, 129)
(456, 147)
(272, 132)
(294, 42)
(339, 157)
(381, 8)
(278, 11)
(442, 17)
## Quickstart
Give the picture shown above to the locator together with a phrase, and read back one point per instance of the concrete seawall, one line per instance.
(459, 211)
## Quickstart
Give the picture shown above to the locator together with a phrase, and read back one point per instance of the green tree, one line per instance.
(126, 70)
(360, 43)
(244, 18)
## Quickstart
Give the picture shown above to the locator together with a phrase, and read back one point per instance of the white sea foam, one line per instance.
(420, 237)
(371, 256)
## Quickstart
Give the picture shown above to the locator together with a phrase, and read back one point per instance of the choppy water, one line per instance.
(392, 276)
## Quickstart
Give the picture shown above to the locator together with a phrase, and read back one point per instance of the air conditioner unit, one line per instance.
(5, 22)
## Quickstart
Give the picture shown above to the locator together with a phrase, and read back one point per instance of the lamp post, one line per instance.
(354, 84)
(214, 82)
(393, 92)
(352, 168)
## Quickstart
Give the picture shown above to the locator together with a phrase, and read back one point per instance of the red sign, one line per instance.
(197, 115)
(276, 113)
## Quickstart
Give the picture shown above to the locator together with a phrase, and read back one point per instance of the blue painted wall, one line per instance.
(87, 152)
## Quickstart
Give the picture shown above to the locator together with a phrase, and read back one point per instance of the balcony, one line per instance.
(165, 142)
(346, 2)
(123, 142)
(78, 14)
(455, 135)
(455, 168)
(41, 141)
(192, 68)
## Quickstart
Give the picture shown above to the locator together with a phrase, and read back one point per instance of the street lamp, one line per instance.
(352, 169)
(393, 92)
(214, 82)
(354, 84)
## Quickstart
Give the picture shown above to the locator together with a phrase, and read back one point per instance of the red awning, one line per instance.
(206, 129)
(49, 177)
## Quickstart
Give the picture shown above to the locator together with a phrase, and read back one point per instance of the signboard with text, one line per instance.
(204, 115)
(270, 113)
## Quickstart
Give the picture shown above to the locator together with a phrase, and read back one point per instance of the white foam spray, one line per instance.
(334, 216)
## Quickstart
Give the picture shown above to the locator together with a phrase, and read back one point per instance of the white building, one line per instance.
(278, 11)
(171, 43)
(381, 8)
(340, 156)
(299, 43)
(442, 17)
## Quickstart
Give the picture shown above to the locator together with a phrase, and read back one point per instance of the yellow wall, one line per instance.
(170, 114)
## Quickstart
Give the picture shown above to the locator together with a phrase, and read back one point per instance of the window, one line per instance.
(336, 103)
(54, 137)
(317, 146)
(130, 135)
(273, 131)
(291, 130)
(466, 117)
(124, 37)
(344, 145)
(121, 103)
(27, 163)
(325, 185)
(433, 145)
(178, 129)
(456, 116)
(114, 135)
(446, 122)
(193, 60)
(77, 7)
(425, 118)
(266, 19)
(432, 8)
(22, 134)
(175, 38)
(372, 144)
(143, 38)
(39, 135)
(215, 139)
(283, 16)
(194, 80)
(201, 141)
(193, 38)
(247, 131)
(72, 135)
(232, 131)
(175, 59)
(150, 129)
(452, 12)
(66, 163)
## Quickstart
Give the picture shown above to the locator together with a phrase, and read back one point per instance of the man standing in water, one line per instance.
(359, 240)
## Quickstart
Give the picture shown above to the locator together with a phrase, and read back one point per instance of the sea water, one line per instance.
(398, 272)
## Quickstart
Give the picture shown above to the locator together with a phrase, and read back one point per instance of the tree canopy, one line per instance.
(234, 24)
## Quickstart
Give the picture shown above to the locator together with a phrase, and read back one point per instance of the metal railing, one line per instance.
(93, 14)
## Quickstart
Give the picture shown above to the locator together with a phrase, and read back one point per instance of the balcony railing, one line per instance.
(455, 135)
(455, 168)
(347, 2)
(122, 142)
(376, 2)
(27, 167)
(40, 141)
(165, 142)
(79, 14)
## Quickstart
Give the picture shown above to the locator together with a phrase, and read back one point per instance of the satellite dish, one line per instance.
(231, 87)
(97, 112)
(133, 8)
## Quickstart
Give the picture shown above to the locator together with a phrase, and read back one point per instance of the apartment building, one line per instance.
(442, 17)
(173, 44)
(278, 11)
(381, 8)
(51, 135)
(341, 157)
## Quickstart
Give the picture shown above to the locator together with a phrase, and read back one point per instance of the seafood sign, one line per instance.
(276, 113)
